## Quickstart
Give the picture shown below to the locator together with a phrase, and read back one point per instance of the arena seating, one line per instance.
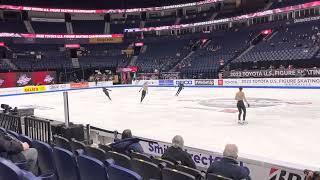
(290, 43)
(196, 17)
(104, 55)
(221, 49)
(160, 21)
(4, 66)
(14, 26)
(29, 51)
(155, 58)
(88, 27)
(49, 27)
(66, 164)
(57, 163)
(119, 26)
(284, 3)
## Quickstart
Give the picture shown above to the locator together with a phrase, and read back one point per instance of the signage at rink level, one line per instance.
(34, 89)
(272, 82)
(312, 72)
(259, 170)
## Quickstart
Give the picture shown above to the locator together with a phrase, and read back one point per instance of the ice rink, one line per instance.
(283, 123)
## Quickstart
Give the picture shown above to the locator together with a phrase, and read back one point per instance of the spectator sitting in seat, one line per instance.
(228, 165)
(16, 151)
(127, 144)
(175, 153)
(312, 175)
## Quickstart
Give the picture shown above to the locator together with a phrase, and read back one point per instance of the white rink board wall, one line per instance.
(251, 83)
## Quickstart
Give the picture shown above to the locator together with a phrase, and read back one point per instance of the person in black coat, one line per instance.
(228, 165)
(106, 92)
(127, 144)
(16, 151)
(175, 153)
(181, 86)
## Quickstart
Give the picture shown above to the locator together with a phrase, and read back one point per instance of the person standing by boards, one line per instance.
(240, 98)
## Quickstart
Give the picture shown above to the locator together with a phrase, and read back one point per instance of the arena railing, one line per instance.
(11, 122)
(111, 134)
(38, 129)
(105, 11)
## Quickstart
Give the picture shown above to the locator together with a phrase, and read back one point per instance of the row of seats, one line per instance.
(58, 163)
(146, 166)
(154, 57)
(73, 160)
(292, 42)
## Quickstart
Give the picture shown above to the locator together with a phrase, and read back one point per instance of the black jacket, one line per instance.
(229, 168)
(125, 146)
(10, 148)
(177, 154)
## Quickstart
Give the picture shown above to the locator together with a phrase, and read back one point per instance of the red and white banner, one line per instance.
(18, 79)
(104, 11)
(72, 46)
(60, 36)
(128, 69)
(79, 85)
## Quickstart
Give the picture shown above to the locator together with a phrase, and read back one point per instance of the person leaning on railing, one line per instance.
(127, 143)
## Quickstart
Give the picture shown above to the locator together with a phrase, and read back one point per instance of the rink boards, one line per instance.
(286, 83)
(260, 168)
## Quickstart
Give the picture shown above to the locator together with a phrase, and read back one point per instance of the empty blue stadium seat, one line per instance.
(75, 145)
(66, 164)
(173, 174)
(91, 168)
(96, 153)
(14, 134)
(147, 170)
(120, 159)
(212, 176)
(2, 130)
(62, 142)
(116, 172)
(9, 171)
(45, 157)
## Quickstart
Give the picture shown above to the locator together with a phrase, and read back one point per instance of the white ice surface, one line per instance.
(288, 130)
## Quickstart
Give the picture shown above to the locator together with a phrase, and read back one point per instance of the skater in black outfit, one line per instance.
(144, 91)
(240, 98)
(181, 86)
(106, 92)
